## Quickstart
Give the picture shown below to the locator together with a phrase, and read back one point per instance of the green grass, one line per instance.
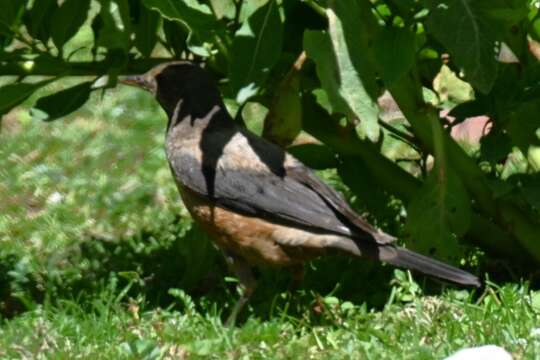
(95, 246)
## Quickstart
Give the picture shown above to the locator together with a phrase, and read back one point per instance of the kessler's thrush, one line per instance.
(259, 203)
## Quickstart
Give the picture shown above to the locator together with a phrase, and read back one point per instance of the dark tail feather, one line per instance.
(405, 258)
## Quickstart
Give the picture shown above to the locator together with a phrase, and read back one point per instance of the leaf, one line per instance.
(146, 30)
(495, 146)
(112, 25)
(67, 20)
(223, 8)
(203, 26)
(506, 12)
(451, 88)
(438, 214)
(315, 156)
(12, 95)
(523, 124)
(11, 13)
(530, 188)
(394, 51)
(64, 102)
(255, 50)
(472, 44)
(176, 35)
(38, 20)
(249, 7)
(369, 193)
(346, 74)
(284, 120)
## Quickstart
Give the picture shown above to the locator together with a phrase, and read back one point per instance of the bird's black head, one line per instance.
(179, 81)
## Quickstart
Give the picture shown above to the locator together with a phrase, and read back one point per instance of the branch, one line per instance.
(78, 68)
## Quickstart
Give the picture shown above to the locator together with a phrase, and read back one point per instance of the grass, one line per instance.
(99, 260)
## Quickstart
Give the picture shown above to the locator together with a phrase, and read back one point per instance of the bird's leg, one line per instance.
(247, 284)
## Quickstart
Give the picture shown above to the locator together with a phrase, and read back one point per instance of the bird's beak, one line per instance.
(141, 81)
(134, 80)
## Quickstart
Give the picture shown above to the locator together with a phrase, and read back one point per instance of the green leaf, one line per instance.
(223, 8)
(11, 12)
(146, 30)
(176, 35)
(438, 214)
(522, 125)
(505, 12)
(495, 146)
(451, 88)
(255, 50)
(64, 102)
(112, 26)
(249, 7)
(472, 44)
(198, 18)
(369, 193)
(344, 66)
(394, 51)
(284, 120)
(12, 95)
(315, 156)
(38, 20)
(67, 20)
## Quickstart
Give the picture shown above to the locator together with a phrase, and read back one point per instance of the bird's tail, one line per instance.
(402, 257)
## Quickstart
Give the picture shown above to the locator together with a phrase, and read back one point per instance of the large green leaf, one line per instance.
(369, 192)
(176, 35)
(344, 66)
(11, 12)
(255, 50)
(198, 18)
(223, 8)
(64, 102)
(284, 120)
(438, 214)
(146, 30)
(12, 95)
(38, 19)
(67, 20)
(394, 51)
(315, 156)
(523, 124)
(470, 34)
(112, 25)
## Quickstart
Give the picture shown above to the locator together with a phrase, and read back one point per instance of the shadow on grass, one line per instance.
(179, 255)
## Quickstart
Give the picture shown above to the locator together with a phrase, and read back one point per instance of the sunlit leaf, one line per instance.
(344, 67)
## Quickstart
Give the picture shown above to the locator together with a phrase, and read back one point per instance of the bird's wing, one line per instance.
(255, 177)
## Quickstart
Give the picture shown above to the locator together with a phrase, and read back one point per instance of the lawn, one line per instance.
(100, 260)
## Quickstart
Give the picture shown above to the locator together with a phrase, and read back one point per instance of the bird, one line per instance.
(261, 205)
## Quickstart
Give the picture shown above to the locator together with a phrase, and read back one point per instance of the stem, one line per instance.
(318, 8)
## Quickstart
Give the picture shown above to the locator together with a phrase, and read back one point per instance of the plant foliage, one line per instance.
(322, 67)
